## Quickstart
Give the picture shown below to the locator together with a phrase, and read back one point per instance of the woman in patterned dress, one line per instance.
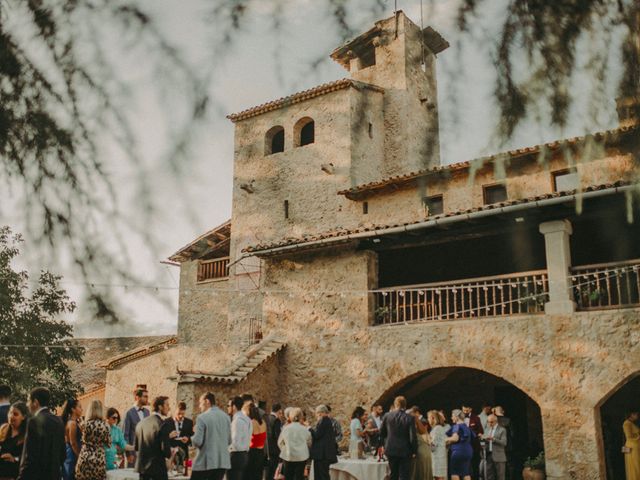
(438, 445)
(95, 437)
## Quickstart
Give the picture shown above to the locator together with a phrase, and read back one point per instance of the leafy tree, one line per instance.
(30, 318)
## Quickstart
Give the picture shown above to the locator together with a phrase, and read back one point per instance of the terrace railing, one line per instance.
(607, 285)
(213, 269)
(501, 295)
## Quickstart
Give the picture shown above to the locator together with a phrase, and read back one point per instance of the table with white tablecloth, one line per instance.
(129, 474)
(351, 469)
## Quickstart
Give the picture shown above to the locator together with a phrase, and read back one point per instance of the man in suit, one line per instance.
(183, 426)
(274, 427)
(133, 416)
(323, 450)
(5, 403)
(512, 454)
(43, 451)
(495, 438)
(153, 442)
(398, 432)
(212, 439)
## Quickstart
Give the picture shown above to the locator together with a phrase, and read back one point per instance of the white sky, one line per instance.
(260, 66)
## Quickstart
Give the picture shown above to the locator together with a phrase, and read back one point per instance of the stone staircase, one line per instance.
(244, 365)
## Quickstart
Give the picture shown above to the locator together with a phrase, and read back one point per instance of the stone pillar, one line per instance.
(558, 253)
(570, 446)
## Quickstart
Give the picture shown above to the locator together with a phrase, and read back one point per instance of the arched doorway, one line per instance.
(447, 388)
(612, 411)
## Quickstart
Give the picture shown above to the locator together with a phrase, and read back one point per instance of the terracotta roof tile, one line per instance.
(366, 190)
(98, 350)
(344, 232)
(302, 96)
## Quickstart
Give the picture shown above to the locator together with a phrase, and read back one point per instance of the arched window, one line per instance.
(274, 140)
(304, 132)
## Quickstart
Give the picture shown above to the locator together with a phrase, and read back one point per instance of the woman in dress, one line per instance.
(71, 416)
(421, 468)
(438, 445)
(95, 438)
(460, 437)
(255, 468)
(12, 440)
(118, 444)
(358, 434)
(632, 446)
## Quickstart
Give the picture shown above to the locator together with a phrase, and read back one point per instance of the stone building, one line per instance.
(357, 266)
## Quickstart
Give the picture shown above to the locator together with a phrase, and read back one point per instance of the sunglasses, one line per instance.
(114, 417)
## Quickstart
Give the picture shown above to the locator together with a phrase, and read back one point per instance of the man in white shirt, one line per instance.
(376, 414)
(240, 439)
(495, 438)
(484, 415)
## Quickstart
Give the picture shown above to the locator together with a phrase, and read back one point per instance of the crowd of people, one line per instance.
(243, 443)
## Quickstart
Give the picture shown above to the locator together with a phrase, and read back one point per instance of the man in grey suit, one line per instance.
(495, 437)
(212, 439)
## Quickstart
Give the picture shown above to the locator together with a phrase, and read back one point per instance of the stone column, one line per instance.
(570, 446)
(558, 253)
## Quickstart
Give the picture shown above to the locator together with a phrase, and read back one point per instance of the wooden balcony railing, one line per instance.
(211, 269)
(512, 294)
(607, 285)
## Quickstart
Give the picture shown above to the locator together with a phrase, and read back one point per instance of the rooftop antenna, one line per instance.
(424, 63)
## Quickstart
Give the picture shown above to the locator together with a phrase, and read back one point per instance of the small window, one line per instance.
(274, 140)
(365, 207)
(286, 209)
(368, 57)
(434, 205)
(567, 179)
(494, 193)
(304, 132)
(370, 130)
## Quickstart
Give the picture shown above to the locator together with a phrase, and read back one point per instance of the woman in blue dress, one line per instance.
(460, 436)
(71, 415)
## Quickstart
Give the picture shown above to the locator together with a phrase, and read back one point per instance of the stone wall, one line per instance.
(566, 364)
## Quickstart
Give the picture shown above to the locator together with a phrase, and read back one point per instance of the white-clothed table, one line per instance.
(350, 469)
(129, 474)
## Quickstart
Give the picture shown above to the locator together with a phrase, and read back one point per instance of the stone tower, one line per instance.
(293, 155)
(399, 57)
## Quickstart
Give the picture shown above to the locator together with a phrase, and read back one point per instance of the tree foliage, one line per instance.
(536, 47)
(30, 318)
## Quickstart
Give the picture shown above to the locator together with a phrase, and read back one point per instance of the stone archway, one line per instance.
(446, 388)
(610, 413)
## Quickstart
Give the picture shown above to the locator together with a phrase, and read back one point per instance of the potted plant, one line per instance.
(534, 468)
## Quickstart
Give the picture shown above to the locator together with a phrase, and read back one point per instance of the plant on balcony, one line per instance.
(534, 468)
(382, 314)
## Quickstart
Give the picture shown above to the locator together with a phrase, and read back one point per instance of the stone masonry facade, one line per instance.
(370, 131)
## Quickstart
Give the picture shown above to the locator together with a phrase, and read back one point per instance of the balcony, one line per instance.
(495, 296)
(606, 286)
(214, 269)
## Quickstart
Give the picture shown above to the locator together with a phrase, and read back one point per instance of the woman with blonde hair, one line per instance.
(421, 467)
(438, 444)
(95, 438)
